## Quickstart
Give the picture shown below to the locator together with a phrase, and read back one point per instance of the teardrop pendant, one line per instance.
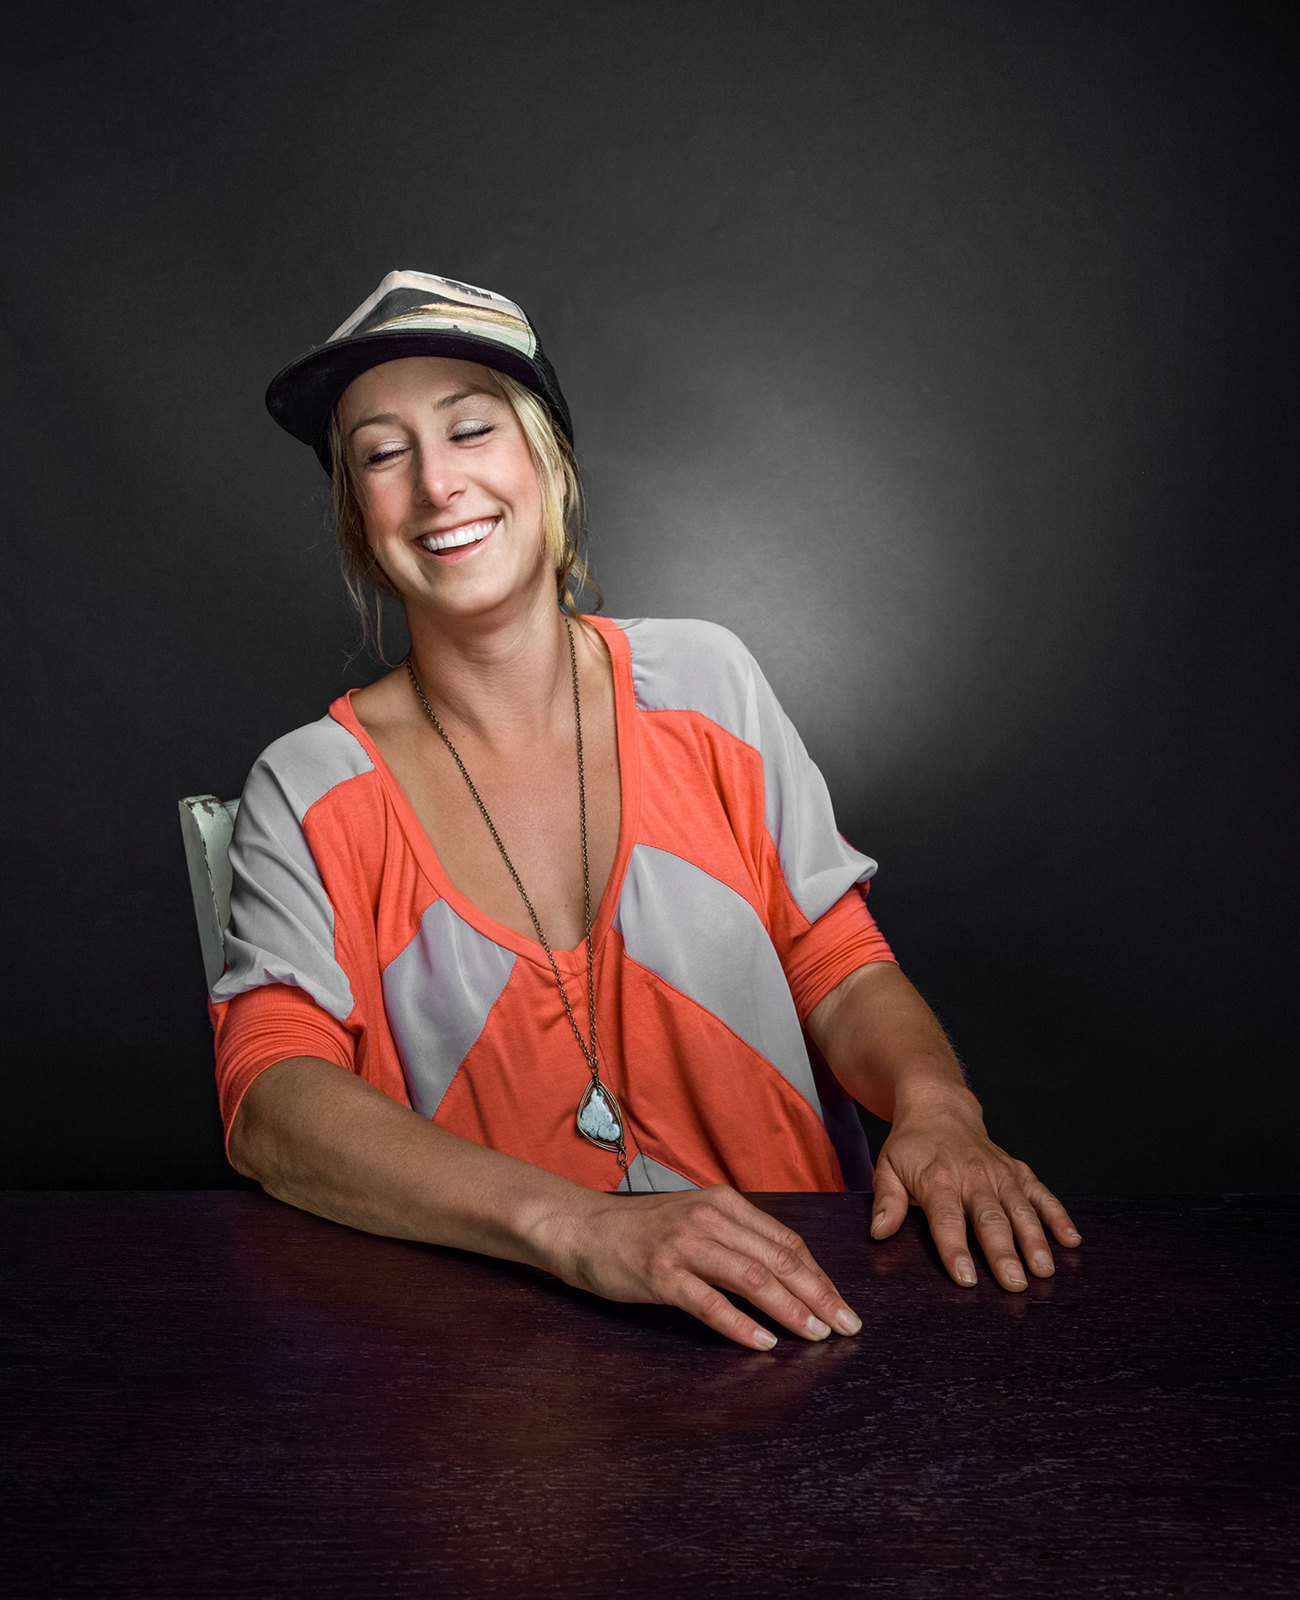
(600, 1117)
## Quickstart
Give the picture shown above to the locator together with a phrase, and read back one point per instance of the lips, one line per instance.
(453, 538)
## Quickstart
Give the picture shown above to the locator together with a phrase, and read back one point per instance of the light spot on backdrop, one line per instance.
(825, 508)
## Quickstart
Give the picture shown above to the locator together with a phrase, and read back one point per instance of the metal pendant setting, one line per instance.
(600, 1117)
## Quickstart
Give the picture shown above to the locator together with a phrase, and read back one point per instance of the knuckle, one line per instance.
(785, 1262)
(663, 1275)
(708, 1302)
(826, 1303)
(665, 1265)
(755, 1276)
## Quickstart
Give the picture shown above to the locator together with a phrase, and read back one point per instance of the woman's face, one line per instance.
(452, 506)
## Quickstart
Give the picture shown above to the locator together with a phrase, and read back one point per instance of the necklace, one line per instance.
(599, 1116)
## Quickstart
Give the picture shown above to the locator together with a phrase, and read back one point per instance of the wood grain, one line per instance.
(209, 1394)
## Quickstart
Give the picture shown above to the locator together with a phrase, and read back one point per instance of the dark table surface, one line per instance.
(209, 1394)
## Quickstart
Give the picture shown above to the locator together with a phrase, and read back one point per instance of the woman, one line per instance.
(543, 914)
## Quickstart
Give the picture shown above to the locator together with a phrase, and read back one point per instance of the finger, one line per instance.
(1050, 1209)
(889, 1200)
(748, 1277)
(711, 1306)
(947, 1222)
(1029, 1236)
(776, 1271)
(735, 1208)
(994, 1230)
(746, 1229)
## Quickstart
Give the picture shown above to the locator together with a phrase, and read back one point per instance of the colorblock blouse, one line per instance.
(733, 907)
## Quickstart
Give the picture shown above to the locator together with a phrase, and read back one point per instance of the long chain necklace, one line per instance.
(599, 1117)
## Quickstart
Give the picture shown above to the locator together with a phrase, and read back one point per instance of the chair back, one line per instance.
(206, 826)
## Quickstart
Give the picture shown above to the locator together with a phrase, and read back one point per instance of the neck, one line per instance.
(501, 682)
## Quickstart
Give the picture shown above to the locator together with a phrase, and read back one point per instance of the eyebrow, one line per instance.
(447, 400)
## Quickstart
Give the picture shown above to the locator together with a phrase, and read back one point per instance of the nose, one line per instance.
(438, 475)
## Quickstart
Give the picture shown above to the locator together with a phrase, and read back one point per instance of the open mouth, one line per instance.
(467, 533)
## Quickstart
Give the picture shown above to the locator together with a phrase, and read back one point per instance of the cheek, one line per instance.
(519, 479)
(528, 496)
(382, 512)
(375, 525)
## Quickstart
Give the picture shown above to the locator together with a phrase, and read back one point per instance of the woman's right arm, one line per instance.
(318, 1137)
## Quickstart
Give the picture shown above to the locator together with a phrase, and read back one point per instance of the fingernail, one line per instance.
(1075, 1236)
(1043, 1263)
(965, 1271)
(876, 1224)
(848, 1321)
(817, 1328)
(1015, 1277)
(764, 1340)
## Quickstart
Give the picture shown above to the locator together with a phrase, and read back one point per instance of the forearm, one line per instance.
(320, 1138)
(316, 1136)
(886, 1047)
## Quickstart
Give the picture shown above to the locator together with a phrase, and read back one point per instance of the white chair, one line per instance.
(206, 826)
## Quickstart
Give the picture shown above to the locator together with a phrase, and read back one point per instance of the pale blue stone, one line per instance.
(596, 1116)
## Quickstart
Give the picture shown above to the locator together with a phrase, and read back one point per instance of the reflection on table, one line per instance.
(214, 1395)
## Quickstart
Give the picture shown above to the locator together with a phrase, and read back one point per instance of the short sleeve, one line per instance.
(703, 668)
(839, 942)
(284, 991)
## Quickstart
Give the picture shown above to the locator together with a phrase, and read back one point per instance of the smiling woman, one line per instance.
(563, 502)
(449, 493)
(528, 936)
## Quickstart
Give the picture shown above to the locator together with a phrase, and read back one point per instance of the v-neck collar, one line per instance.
(629, 768)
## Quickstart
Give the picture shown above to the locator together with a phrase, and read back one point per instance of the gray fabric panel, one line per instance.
(281, 927)
(709, 942)
(680, 665)
(645, 1175)
(314, 759)
(438, 994)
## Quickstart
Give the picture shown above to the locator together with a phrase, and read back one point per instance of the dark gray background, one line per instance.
(938, 349)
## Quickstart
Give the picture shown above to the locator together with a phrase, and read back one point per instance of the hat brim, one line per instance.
(302, 397)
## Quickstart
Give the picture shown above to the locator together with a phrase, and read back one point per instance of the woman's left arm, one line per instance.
(886, 1047)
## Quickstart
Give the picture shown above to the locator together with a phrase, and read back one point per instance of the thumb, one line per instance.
(889, 1206)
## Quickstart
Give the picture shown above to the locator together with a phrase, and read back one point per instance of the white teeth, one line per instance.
(471, 533)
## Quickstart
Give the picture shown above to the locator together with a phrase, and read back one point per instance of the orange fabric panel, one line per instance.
(706, 801)
(838, 943)
(683, 1109)
(266, 1025)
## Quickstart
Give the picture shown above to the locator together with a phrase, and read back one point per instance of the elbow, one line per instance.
(241, 1148)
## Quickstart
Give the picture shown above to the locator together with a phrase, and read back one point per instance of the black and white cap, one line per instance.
(412, 314)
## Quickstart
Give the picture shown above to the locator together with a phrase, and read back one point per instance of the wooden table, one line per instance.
(209, 1394)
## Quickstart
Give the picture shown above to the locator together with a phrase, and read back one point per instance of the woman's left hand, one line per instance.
(942, 1160)
(886, 1047)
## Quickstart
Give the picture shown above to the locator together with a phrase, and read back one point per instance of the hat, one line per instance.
(412, 314)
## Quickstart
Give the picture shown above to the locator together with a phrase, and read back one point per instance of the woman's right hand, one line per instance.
(684, 1249)
(318, 1137)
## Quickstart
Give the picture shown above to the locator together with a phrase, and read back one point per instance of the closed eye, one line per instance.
(472, 430)
(376, 458)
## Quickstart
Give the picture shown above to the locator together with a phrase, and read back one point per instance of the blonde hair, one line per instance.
(564, 515)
